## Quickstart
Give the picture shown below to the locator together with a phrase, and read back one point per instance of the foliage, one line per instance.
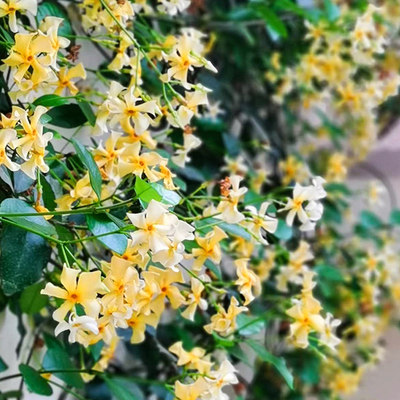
(183, 202)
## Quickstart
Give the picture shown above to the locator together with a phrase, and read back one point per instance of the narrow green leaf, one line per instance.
(34, 381)
(272, 20)
(50, 100)
(100, 224)
(277, 362)
(87, 110)
(88, 161)
(37, 224)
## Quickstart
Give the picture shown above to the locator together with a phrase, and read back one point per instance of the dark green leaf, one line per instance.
(57, 358)
(3, 365)
(37, 224)
(34, 381)
(277, 362)
(48, 194)
(87, 159)
(124, 389)
(31, 301)
(67, 116)
(23, 256)
(100, 224)
(87, 111)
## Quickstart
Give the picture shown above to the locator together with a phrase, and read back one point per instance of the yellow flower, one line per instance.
(224, 322)
(165, 280)
(194, 299)
(248, 281)
(10, 7)
(65, 76)
(138, 323)
(134, 162)
(6, 137)
(25, 54)
(191, 391)
(209, 248)
(193, 359)
(83, 292)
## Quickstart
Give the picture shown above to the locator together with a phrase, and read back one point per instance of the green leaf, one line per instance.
(329, 272)
(395, 217)
(3, 365)
(37, 224)
(31, 301)
(50, 100)
(146, 192)
(49, 198)
(34, 381)
(215, 269)
(369, 220)
(123, 389)
(272, 20)
(57, 358)
(278, 362)
(67, 116)
(88, 161)
(55, 9)
(288, 5)
(87, 110)
(167, 196)
(248, 325)
(23, 256)
(332, 10)
(283, 232)
(238, 352)
(222, 341)
(99, 224)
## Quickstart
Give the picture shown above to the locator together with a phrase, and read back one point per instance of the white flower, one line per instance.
(172, 7)
(305, 205)
(260, 220)
(77, 325)
(225, 375)
(228, 206)
(190, 142)
(153, 227)
(328, 337)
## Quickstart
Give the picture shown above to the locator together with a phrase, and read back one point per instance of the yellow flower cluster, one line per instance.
(333, 87)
